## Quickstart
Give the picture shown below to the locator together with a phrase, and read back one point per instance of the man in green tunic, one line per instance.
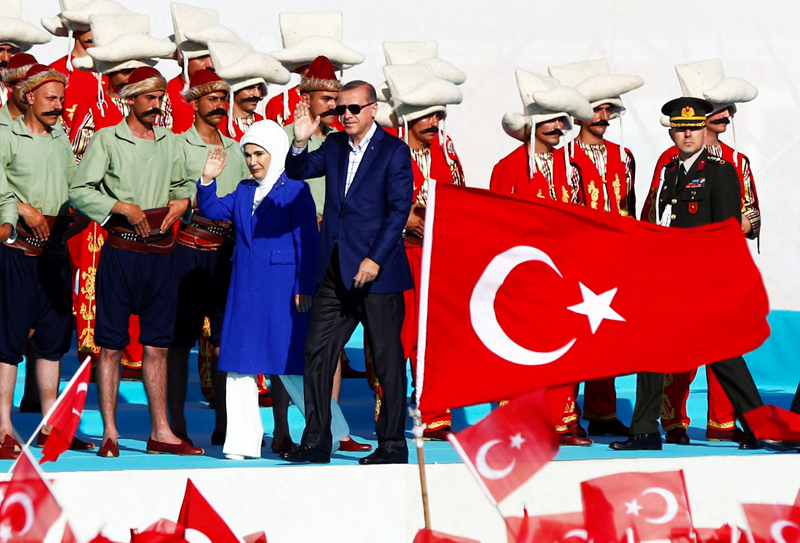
(132, 180)
(203, 252)
(35, 293)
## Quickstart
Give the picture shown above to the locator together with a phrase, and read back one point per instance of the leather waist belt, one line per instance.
(205, 234)
(52, 247)
(123, 236)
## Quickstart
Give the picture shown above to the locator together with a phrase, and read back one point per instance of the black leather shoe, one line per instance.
(306, 455)
(382, 457)
(639, 442)
(750, 443)
(608, 427)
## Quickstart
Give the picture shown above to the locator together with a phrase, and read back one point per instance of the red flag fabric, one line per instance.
(66, 416)
(69, 536)
(772, 422)
(652, 505)
(563, 528)
(724, 534)
(163, 531)
(509, 446)
(773, 523)
(431, 536)
(28, 509)
(258, 537)
(518, 295)
(100, 538)
(197, 514)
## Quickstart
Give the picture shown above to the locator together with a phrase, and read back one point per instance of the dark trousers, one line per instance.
(732, 374)
(334, 316)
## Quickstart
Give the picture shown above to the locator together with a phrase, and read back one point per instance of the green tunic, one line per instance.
(8, 204)
(5, 117)
(316, 184)
(197, 152)
(119, 167)
(37, 167)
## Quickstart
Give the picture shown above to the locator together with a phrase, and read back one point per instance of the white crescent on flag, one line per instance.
(195, 536)
(672, 505)
(776, 530)
(484, 318)
(24, 501)
(578, 533)
(484, 469)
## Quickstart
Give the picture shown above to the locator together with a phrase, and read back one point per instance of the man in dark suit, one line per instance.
(696, 189)
(363, 268)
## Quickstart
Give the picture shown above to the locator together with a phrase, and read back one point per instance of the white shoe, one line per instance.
(234, 456)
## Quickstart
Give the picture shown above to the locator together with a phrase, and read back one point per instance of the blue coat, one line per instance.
(368, 222)
(275, 258)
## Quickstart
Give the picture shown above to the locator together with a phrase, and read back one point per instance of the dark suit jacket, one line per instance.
(368, 222)
(708, 193)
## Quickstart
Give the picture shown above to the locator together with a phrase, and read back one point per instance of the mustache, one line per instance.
(54, 113)
(3, 63)
(154, 111)
(724, 120)
(218, 111)
(555, 132)
(329, 113)
(430, 130)
(601, 122)
(252, 99)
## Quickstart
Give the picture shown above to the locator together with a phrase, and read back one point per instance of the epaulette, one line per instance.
(673, 162)
(716, 159)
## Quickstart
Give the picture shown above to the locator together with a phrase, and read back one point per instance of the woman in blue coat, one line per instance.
(272, 283)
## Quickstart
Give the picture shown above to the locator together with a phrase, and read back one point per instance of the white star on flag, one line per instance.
(633, 508)
(596, 307)
(517, 441)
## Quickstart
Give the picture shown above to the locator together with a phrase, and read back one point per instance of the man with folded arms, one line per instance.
(35, 290)
(132, 180)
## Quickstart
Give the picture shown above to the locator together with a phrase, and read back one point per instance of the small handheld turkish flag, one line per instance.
(258, 537)
(563, 528)
(163, 531)
(772, 523)
(29, 509)
(65, 416)
(650, 505)
(772, 422)
(509, 446)
(430, 536)
(541, 294)
(198, 515)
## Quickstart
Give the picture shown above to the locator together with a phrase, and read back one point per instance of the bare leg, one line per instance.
(177, 383)
(8, 380)
(107, 391)
(48, 374)
(218, 382)
(154, 375)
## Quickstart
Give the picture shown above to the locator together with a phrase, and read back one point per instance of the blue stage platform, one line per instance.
(774, 367)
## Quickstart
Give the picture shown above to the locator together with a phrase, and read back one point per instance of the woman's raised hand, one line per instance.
(215, 163)
(304, 125)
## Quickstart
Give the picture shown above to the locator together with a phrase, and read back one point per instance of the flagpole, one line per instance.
(53, 407)
(419, 428)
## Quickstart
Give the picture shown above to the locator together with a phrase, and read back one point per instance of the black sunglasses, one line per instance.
(355, 109)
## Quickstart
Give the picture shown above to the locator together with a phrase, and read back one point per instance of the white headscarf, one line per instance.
(271, 137)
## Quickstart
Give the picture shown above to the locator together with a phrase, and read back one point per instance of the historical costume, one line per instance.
(607, 175)
(305, 37)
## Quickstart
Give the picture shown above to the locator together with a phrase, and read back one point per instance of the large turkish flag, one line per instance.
(29, 509)
(518, 295)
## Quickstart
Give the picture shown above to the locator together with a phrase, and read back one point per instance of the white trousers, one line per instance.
(339, 427)
(245, 431)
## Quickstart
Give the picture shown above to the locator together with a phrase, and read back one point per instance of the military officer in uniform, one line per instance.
(696, 189)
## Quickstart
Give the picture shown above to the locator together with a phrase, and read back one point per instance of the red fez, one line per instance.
(38, 75)
(142, 80)
(21, 59)
(17, 68)
(321, 75)
(204, 82)
(143, 73)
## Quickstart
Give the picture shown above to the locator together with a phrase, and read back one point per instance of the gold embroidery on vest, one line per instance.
(539, 194)
(594, 193)
(564, 195)
(623, 208)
